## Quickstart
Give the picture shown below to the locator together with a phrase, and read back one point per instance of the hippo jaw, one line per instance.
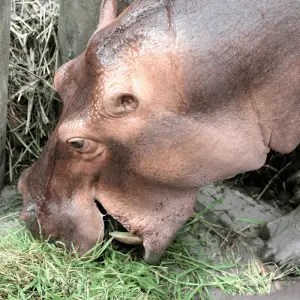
(153, 213)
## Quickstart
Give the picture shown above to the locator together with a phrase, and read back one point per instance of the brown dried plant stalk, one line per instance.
(33, 61)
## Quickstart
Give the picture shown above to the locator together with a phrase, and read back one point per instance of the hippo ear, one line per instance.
(120, 105)
(108, 13)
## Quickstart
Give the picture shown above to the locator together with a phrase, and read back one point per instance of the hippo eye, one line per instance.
(88, 149)
(78, 144)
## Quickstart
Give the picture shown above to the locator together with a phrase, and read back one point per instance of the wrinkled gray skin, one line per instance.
(170, 96)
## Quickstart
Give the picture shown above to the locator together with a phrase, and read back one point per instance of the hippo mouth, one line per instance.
(113, 228)
(110, 228)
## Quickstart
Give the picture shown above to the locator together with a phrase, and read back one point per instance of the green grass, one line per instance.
(31, 269)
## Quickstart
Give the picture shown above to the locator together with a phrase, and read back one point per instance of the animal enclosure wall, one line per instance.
(78, 20)
(4, 56)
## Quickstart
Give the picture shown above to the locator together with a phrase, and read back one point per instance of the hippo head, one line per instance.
(127, 138)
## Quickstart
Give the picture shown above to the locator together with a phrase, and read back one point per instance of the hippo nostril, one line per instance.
(29, 212)
(24, 216)
(100, 208)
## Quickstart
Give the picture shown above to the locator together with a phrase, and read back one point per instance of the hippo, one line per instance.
(169, 96)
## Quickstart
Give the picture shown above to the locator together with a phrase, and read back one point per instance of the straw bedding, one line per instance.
(32, 103)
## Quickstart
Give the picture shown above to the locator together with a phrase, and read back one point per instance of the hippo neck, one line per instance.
(247, 60)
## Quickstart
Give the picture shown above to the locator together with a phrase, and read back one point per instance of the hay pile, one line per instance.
(33, 60)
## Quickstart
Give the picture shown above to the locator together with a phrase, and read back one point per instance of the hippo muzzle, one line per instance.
(76, 222)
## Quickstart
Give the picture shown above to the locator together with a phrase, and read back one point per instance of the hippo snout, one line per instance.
(29, 212)
(70, 218)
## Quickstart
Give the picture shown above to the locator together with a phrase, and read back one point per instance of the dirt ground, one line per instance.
(277, 183)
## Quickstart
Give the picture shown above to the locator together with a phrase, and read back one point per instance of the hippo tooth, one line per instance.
(126, 238)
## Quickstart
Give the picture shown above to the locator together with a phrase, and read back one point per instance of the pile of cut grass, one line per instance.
(33, 60)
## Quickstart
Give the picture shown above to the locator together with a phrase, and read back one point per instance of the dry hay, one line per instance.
(33, 60)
